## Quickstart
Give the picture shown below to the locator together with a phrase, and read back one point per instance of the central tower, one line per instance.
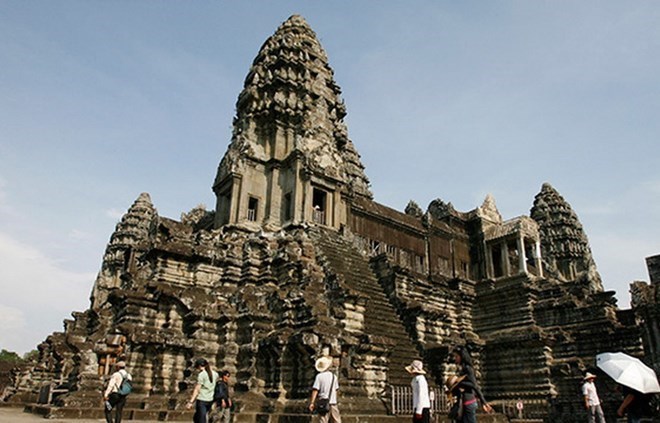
(290, 159)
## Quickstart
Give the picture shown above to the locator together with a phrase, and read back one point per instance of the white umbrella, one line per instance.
(628, 371)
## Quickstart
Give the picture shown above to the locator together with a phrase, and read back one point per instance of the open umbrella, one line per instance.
(628, 371)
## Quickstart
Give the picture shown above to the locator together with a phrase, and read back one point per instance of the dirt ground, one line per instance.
(16, 415)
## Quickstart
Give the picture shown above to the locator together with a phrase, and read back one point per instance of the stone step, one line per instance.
(52, 412)
(381, 318)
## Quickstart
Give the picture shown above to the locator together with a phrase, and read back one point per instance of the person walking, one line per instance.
(591, 400)
(324, 392)
(202, 395)
(222, 401)
(470, 390)
(632, 405)
(420, 389)
(112, 397)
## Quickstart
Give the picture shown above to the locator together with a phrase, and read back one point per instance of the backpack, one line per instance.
(126, 386)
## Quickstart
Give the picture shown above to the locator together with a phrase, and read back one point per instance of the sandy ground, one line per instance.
(16, 415)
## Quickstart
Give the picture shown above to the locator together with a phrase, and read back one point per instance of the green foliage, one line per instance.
(31, 355)
(10, 356)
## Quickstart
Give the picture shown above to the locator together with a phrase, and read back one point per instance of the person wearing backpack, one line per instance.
(114, 397)
(202, 395)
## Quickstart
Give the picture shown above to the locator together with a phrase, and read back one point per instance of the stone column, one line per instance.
(522, 259)
(538, 261)
(490, 269)
(506, 269)
(235, 204)
(273, 198)
(653, 265)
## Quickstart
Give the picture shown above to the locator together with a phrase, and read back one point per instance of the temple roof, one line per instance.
(133, 228)
(291, 84)
(562, 234)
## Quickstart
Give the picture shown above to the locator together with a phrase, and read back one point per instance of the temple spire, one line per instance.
(564, 244)
(290, 117)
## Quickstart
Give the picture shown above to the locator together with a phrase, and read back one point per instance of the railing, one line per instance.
(402, 400)
(527, 409)
(319, 216)
(252, 215)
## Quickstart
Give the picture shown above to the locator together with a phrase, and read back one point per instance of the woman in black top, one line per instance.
(469, 388)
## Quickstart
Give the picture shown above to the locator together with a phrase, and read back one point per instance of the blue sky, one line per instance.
(103, 100)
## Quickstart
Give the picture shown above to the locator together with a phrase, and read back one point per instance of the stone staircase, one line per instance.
(132, 411)
(380, 317)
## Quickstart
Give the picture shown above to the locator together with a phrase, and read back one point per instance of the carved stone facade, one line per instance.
(297, 261)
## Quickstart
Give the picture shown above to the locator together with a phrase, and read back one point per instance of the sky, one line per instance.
(103, 100)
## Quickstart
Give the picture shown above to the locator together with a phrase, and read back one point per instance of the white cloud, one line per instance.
(13, 327)
(652, 186)
(598, 210)
(35, 289)
(79, 235)
(115, 214)
(621, 260)
(12, 319)
(5, 208)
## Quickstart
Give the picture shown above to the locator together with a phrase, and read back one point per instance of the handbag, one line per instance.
(456, 410)
(323, 405)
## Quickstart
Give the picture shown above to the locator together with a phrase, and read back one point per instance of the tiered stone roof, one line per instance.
(133, 228)
(562, 235)
(291, 85)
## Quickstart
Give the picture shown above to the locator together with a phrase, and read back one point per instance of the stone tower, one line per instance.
(298, 261)
(129, 236)
(290, 159)
(564, 245)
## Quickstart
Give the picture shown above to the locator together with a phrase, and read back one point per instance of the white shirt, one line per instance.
(115, 381)
(322, 384)
(589, 391)
(420, 390)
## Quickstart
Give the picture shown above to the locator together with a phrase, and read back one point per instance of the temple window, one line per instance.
(419, 263)
(496, 256)
(443, 266)
(224, 201)
(374, 247)
(287, 206)
(514, 257)
(464, 269)
(253, 205)
(319, 204)
(530, 256)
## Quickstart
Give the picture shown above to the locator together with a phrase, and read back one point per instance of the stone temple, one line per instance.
(297, 260)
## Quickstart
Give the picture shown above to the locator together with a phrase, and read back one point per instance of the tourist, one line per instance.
(591, 400)
(632, 405)
(324, 392)
(471, 388)
(420, 389)
(202, 395)
(112, 397)
(222, 401)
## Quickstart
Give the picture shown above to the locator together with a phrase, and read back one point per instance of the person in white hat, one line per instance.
(421, 398)
(113, 400)
(324, 392)
(591, 400)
